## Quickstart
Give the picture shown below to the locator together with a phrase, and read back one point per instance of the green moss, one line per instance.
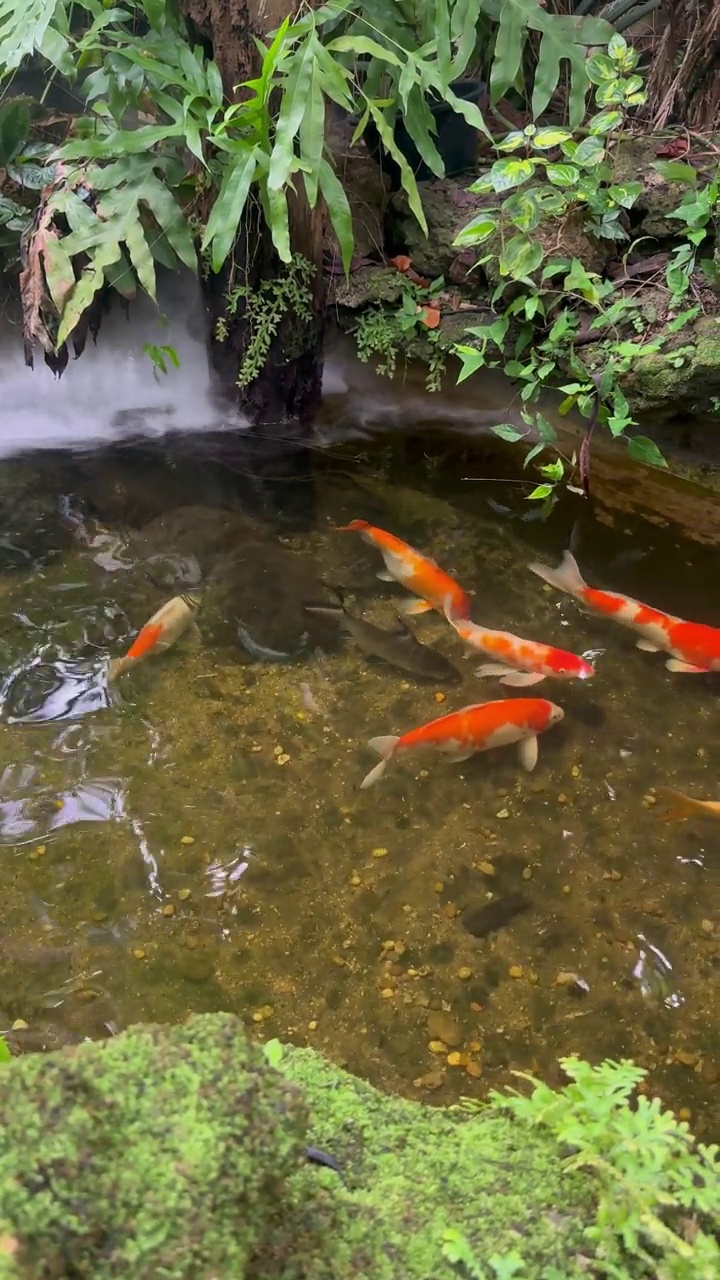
(678, 383)
(155, 1154)
(177, 1153)
(410, 1172)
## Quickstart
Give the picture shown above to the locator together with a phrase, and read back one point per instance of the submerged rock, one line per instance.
(254, 602)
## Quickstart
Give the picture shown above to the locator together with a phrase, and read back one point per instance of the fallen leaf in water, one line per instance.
(430, 317)
(400, 263)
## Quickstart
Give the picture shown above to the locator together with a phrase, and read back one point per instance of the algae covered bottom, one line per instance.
(194, 839)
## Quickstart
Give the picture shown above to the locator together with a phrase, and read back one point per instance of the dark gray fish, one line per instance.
(400, 647)
(481, 921)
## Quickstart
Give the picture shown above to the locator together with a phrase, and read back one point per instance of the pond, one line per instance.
(193, 836)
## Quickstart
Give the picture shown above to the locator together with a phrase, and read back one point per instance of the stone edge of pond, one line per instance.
(180, 1151)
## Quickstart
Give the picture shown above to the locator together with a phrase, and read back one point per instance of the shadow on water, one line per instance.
(194, 837)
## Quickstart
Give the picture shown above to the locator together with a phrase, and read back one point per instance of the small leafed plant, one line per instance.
(656, 1188)
(545, 177)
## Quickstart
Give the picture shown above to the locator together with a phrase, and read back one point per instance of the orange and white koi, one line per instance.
(413, 570)
(524, 662)
(159, 633)
(693, 646)
(480, 727)
(679, 806)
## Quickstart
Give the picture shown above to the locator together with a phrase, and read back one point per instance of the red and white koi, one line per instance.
(524, 662)
(480, 727)
(413, 570)
(159, 633)
(693, 646)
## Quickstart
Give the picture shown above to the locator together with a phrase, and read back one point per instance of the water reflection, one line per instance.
(39, 691)
(654, 974)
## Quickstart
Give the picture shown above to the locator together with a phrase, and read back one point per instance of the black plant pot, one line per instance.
(456, 140)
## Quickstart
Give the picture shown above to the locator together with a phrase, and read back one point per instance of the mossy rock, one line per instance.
(179, 1152)
(674, 382)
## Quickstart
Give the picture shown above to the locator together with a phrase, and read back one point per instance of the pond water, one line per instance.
(193, 837)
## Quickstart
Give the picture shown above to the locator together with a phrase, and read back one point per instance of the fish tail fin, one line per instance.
(678, 806)
(351, 527)
(567, 577)
(448, 610)
(385, 747)
(116, 667)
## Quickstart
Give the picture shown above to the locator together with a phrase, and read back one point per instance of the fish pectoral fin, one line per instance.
(646, 645)
(529, 753)
(491, 669)
(413, 607)
(674, 664)
(385, 576)
(522, 679)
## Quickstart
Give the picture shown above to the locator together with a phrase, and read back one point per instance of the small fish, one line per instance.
(309, 700)
(412, 570)
(482, 921)
(480, 727)
(524, 662)
(693, 646)
(159, 633)
(680, 806)
(400, 648)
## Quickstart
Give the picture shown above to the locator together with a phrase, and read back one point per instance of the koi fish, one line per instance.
(693, 646)
(480, 727)
(524, 662)
(159, 633)
(413, 570)
(400, 647)
(680, 806)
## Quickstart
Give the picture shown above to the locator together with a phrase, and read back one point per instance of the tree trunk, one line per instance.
(286, 391)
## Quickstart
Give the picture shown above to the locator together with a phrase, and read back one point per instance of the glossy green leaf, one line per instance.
(540, 492)
(471, 360)
(59, 273)
(506, 431)
(546, 138)
(311, 136)
(513, 141)
(293, 106)
(338, 211)
(589, 152)
(169, 216)
(279, 219)
(523, 210)
(675, 171)
(480, 228)
(520, 257)
(511, 172)
(419, 122)
(600, 68)
(469, 111)
(562, 175)
(222, 225)
(363, 44)
(5, 1054)
(553, 470)
(406, 174)
(604, 121)
(643, 449)
(140, 256)
(626, 193)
